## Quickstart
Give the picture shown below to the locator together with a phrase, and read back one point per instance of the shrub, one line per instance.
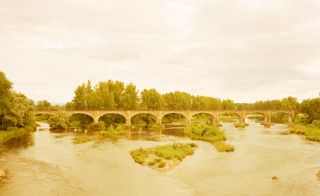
(81, 140)
(316, 123)
(162, 164)
(111, 132)
(58, 120)
(99, 126)
(209, 133)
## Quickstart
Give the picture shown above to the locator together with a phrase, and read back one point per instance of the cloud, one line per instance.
(244, 50)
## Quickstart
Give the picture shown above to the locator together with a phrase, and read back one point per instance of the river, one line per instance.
(46, 163)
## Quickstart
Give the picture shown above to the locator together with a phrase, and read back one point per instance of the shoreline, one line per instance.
(9, 134)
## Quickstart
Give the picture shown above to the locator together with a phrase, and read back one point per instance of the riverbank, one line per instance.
(309, 132)
(13, 132)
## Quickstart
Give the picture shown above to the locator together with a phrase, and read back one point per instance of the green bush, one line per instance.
(99, 126)
(223, 147)
(81, 139)
(139, 155)
(157, 160)
(113, 132)
(209, 133)
(316, 123)
(311, 132)
(177, 151)
(59, 120)
(240, 125)
(162, 164)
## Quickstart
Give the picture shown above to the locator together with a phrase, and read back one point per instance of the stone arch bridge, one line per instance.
(188, 114)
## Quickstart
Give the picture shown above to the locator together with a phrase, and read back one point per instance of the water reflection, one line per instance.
(23, 141)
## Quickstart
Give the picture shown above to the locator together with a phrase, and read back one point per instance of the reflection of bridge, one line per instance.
(188, 114)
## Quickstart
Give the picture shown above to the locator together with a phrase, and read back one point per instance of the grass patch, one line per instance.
(82, 139)
(310, 132)
(164, 157)
(13, 132)
(209, 133)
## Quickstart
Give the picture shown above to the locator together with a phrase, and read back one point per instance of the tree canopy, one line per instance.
(16, 110)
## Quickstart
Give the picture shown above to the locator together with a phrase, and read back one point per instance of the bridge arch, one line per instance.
(213, 118)
(111, 118)
(145, 117)
(263, 115)
(42, 116)
(175, 115)
(240, 116)
(281, 117)
(80, 119)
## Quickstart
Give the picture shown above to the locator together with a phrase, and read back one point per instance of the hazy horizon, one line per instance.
(242, 50)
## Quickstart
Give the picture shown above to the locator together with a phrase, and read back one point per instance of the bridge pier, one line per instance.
(128, 121)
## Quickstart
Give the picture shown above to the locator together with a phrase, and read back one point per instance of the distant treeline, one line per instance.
(113, 95)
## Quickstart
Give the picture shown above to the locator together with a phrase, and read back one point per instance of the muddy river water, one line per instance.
(46, 163)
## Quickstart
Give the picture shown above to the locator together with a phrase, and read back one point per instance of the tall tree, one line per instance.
(129, 99)
(151, 99)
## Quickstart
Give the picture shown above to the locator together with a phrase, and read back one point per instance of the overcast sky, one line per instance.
(245, 50)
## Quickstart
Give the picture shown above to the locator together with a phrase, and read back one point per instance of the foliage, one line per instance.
(173, 118)
(151, 99)
(59, 120)
(211, 134)
(16, 110)
(13, 132)
(139, 155)
(80, 120)
(316, 123)
(81, 139)
(301, 119)
(312, 108)
(241, 125)
(223, 147)
(311, 132)
(143, 120)
(113, 132)
(175, 151)
(99, 126)
(45, 105)
(112, 119)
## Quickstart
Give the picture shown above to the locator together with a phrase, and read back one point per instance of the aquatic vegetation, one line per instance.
(82, 139)
(209, 133)
(240, 125)
(165, 156)
(113, 132)
(99, 126)
(223, 147)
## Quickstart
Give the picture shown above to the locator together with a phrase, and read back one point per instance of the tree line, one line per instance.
(112, 95)
(16, 110)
